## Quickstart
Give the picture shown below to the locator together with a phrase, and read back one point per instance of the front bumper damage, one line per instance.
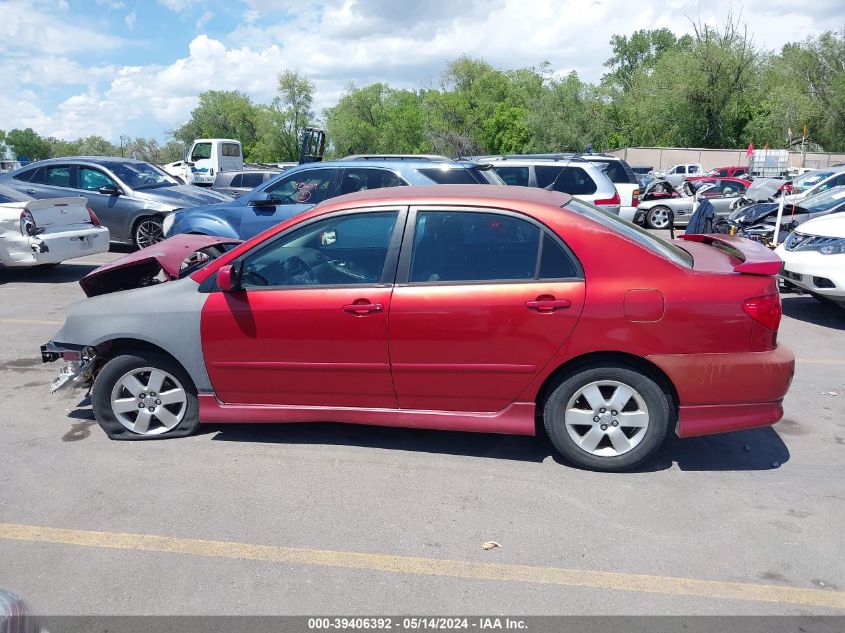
(77, 373)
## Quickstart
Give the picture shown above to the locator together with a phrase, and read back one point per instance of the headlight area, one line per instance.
(168, 222)
(800, 242)
(78, 372)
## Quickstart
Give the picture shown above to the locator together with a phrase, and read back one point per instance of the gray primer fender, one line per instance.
(166, 315)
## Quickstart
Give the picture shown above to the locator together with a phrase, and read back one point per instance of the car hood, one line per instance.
(832, 225)
(756, 212)
(764, 188)
(182, 196)
(141, 267)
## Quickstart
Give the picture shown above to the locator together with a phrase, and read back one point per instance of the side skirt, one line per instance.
(516, 419)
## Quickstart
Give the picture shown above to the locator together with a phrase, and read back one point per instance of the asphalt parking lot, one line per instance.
(305, 519)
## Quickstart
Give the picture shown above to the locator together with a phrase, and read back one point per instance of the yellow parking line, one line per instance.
(31, 321)
(429, 566)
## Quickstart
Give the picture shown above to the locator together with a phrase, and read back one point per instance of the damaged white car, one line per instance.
(47, 232)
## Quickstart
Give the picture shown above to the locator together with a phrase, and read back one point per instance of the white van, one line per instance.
(207, 158)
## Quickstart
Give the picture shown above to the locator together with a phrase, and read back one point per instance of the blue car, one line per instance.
(300, 188)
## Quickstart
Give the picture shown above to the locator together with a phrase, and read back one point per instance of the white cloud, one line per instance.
(338, 41)
(130, 19)
(177, 6)
(204, 19)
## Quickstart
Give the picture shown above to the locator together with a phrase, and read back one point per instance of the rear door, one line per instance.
(52, 181)
(483, 300)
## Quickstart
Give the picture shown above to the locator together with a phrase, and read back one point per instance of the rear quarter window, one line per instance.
(568, 179)
(231, 149)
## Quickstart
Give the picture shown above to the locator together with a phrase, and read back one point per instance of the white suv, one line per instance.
(559, 172)
(623, 178)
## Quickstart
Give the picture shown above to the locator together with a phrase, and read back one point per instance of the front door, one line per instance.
(309, 326)
(482, 303)
(292, 194)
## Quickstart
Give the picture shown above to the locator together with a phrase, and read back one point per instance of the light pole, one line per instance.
(123, 139)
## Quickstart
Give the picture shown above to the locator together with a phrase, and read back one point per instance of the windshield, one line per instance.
(633, 232)
(141, 175)
(826, 200)
(809, 180)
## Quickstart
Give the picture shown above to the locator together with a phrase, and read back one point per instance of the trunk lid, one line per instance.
(729, 254)
(57, 211)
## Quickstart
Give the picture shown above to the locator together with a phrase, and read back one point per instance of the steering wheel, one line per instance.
(298, 272)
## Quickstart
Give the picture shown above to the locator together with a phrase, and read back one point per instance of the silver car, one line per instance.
(559, 172)
(130, 197)
(655, 214)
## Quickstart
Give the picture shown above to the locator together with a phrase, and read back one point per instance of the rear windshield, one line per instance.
(452, 176)
(632, 232)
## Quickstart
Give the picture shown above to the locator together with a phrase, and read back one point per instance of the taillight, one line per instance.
(614, 200)
(28, 224)
(635, 198)
(94, 219)
(764, 310)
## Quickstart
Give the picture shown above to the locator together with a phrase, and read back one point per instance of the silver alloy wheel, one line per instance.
(658, 218)
(148, 232)
(606, 418)
(148, 401)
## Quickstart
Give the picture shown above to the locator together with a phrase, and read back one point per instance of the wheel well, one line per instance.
(115, 347)
(140, 218)
(615, 358)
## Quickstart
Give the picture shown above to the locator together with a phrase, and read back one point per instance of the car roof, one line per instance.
(97, 160)
(384, 161)
(459, 195)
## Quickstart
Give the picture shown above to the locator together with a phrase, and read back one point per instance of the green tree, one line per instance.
(639, 53)
(28, 143)
(222, 114)
(97, 146)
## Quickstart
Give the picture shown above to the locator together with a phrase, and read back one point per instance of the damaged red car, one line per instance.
(467, 308)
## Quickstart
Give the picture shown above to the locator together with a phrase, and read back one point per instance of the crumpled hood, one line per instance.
(756, 212)
(167, 255)
(762, 189)
(182, 196)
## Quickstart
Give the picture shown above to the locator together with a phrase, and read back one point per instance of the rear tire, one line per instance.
(143, 396)
(607, 417)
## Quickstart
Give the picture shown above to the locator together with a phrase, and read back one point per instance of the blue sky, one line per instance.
(71, 68)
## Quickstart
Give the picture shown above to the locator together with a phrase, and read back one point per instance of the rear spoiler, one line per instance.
(756, 258)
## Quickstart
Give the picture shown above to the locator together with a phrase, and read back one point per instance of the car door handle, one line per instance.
(362, 307)
(29, 191)
(548, 305)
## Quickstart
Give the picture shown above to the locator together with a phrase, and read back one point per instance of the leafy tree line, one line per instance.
(714, 88)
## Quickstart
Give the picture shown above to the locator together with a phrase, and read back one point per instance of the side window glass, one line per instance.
(236, 180)
(341, 250)
(305, 187)
(554, 262)
(364, 179)
(513, 175)
(231, 149)
(201, 151)
(546, 174)
(574, 181)
(470, 246)
(250, 180)
(93, 179)
(58, 176)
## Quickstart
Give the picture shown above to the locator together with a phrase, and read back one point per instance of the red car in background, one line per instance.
(467, 308)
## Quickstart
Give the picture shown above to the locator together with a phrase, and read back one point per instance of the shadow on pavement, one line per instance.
(805, 308)
(757, 449)
(63, 273)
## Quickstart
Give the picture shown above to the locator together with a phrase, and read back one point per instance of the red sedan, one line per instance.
(470, 308)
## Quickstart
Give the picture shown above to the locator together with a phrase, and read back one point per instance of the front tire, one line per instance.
(147, 231)
(658, 218)
(145, 396)
(607, 417)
